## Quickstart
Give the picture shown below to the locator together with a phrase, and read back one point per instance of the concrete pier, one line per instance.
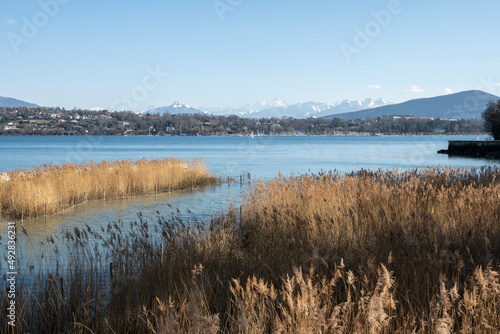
(474, 149)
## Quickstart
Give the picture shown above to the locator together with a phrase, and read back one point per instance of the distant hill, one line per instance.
(464, 105)
(174, 109)
(14, 103)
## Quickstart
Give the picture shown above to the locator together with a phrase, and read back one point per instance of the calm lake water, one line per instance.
(263, 157)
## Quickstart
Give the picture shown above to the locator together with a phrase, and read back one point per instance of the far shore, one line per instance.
(276, 135)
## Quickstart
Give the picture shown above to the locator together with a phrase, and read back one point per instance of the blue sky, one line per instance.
(88, 53)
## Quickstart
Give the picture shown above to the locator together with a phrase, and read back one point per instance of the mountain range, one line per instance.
(14, 103)
(463, 105)
(175, 108)
(276, 108)
(247, 109)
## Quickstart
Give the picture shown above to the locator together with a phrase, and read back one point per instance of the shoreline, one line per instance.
(241, 135)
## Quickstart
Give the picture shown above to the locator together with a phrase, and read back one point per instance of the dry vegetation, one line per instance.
(52, 188)
(369, 252)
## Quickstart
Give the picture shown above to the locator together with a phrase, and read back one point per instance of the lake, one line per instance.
(262, 157)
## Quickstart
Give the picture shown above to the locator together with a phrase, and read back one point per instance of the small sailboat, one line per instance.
(251, 135)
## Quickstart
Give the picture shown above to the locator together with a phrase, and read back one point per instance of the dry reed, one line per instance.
(367, 252)
(53, 188)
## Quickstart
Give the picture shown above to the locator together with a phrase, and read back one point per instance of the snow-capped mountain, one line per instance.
(317, 109)
(350, 106)
(275, 108)
(175, 108)
(247, 109)
(299, 110)
(278, 108)
(263, 105)
(456, 105)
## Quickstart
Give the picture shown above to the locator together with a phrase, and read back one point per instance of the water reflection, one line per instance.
(34, 237)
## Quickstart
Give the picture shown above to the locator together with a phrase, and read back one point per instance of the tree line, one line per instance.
(57, 121)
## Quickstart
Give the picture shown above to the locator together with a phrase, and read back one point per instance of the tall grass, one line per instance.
(52, 188)
(366, 252)
(369, 214)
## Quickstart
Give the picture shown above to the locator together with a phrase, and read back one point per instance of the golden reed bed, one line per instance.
(52, 188)
(367, 252)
